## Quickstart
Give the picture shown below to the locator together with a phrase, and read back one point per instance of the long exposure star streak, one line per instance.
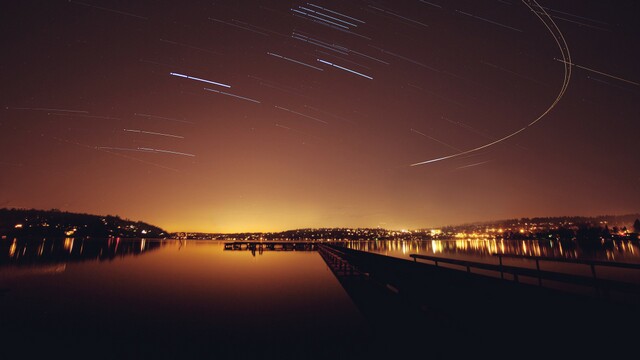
(566, 56)
(266, 115)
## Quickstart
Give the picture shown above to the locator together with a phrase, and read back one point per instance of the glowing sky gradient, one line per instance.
(270, 115)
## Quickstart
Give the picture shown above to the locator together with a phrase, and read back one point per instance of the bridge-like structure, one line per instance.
(442, 299)
(272, 245)
(447, 299)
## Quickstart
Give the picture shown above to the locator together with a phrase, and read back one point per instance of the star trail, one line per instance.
(266, 115)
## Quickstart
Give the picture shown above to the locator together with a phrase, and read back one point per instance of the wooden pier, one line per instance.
(446, 305)
(600, 287)
(271, 245)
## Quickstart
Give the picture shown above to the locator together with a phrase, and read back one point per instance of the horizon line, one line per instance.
(477, 222)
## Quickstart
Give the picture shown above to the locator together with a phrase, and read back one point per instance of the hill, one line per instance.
(565, 227)
(625, 220)
(23, 223)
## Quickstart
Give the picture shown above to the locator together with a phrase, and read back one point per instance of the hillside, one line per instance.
(23, 223)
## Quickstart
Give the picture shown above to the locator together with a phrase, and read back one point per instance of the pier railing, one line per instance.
(336, 261)
(591, 263)
(602, 287)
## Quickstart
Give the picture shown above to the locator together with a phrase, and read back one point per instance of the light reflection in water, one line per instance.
(624, 251)
(196, 290)
(12, 248)
(68, 244)
(47, 251)
(187, 296)
(485, 251)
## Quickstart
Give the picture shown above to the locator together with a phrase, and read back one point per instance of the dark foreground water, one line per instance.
(192, 299)
(170, 298)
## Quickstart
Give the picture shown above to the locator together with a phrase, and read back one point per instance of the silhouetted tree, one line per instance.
(565, 233)
(589, 236)
(636, 226)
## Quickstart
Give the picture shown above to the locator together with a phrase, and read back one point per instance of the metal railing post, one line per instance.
(595, 280)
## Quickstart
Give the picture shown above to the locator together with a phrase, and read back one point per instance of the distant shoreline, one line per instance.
(55, 224)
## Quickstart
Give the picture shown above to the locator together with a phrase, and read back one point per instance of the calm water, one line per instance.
(130, 298)
(478, 249)
(486, 250)
(192, 299)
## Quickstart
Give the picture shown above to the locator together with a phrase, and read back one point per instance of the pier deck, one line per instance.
(445, 304)
(271, 245)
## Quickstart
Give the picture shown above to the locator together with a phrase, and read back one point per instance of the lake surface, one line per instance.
(486, 251)
(477, 249)
(135, 298)
(192, 299)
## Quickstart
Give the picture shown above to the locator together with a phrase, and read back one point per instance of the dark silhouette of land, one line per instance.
(37, 224)
(585, 230)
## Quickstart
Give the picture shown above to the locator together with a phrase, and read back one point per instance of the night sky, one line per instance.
(225, 116)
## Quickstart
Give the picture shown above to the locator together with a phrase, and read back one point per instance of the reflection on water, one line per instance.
(262, 246)
(50, 251)
(622, 251)
(193, 299)
(485, 251)
(176, 299)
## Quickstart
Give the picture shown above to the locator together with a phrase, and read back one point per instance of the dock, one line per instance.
(271, 245)
(445, 304)
(603, 287)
